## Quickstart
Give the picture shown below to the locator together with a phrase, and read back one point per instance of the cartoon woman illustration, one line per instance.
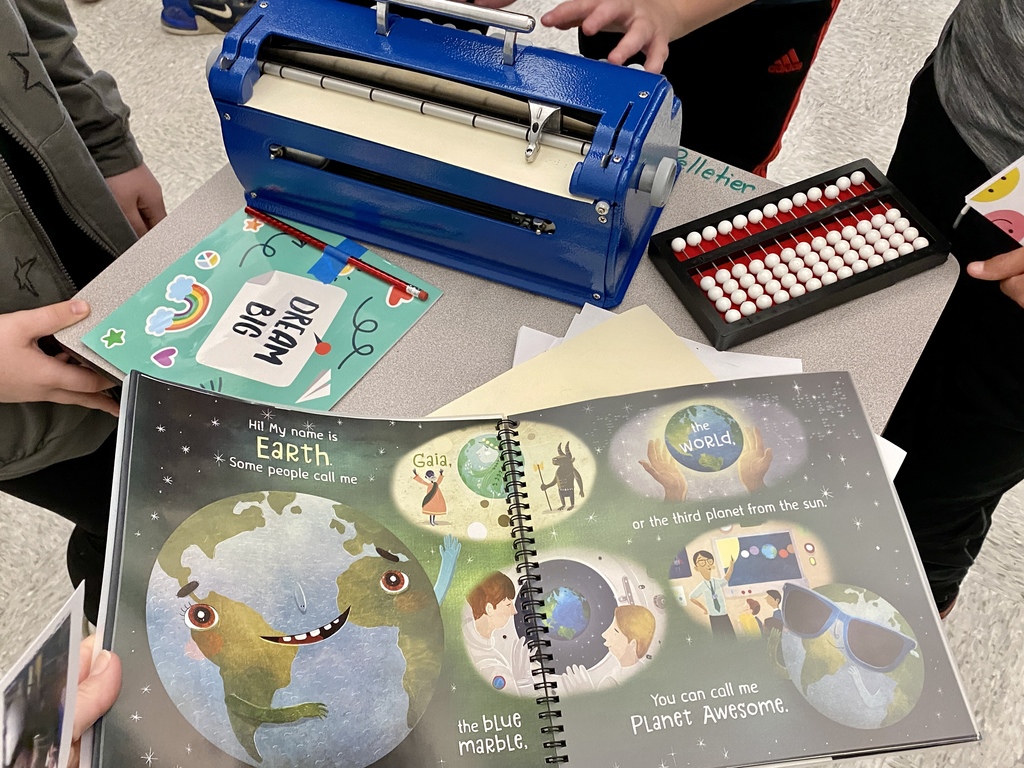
(433, 503)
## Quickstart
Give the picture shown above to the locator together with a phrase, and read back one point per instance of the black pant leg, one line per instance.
(739, 77)
(78, 490)
(961, 415)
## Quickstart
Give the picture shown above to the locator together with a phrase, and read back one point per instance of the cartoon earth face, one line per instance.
(843, 690)
(704, 438)
(480, 467)
(289, 629)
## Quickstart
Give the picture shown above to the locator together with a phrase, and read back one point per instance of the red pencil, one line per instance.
(298, 234)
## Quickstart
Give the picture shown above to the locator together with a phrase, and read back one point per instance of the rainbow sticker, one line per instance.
(183, 289)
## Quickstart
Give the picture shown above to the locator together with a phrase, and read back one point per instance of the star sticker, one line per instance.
(842, 458)
(380, 451)
(136, 717)
(169, 480)
(138, 533)
(161, 428)
(857, 522)
(825, 493)
(268, 415)
(219, 458)
(21, 270)
(309, 426)
(185, 449)
(591, 518)
(214, 422)
(113, 338)
(188, 749)
(252, 225)
(154, 516)
(148, 757)
(146, 689)
(391, 423)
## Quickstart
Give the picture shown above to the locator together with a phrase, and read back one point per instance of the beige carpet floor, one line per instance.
(852, 107)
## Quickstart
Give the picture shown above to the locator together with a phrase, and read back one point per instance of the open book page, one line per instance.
(734, 583)
(292, 588)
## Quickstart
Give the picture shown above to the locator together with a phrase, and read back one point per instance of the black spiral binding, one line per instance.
(529, 578)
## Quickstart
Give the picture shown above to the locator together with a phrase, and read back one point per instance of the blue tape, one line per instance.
(334, 260)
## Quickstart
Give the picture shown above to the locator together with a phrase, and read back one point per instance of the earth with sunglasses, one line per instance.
(851, 654)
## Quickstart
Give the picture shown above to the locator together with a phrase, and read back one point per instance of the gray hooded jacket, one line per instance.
(72, 122)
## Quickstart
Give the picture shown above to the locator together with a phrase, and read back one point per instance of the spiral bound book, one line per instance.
(715, 575)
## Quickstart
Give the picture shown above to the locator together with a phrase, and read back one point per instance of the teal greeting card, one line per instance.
(255, 313)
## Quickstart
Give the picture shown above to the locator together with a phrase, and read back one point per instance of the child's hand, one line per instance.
(99, 682)
(1007, 268)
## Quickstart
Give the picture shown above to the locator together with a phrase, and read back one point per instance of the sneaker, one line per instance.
(202, 17)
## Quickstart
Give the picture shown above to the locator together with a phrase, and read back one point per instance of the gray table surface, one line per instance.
(468, 337)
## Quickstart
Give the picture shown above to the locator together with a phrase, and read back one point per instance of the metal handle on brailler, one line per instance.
(512, 23)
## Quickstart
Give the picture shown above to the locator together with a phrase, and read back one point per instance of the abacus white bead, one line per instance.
(887, 230)
(828, 278)
(723, 304)
(707, 283)
(804, 274)
(722, 275)
(747, 280)
(919, 243)
(866, 251)
(901, 224)
(738, 296)
(747, 308)
(755, 266)
(849, 232)
(863, 227)
(892, 214)
(772, 287)
(770, 211)
(857, 242)
(787, 255)
(797, 264)
(875, 260)
(831, 192)
(799, 199)
(802, 249)
(780, 297)
(896, 239)
(836, 263)
(857, 177)
(730, 285)
(755, 291)
(872, 237)
(693, 239)
(833, 237)
(785, 205)
(764, 276)
(844, 273)
(780, 270)
(890, 254)
(813, 258)
(678, 244)
(850, 256)
(842, 247)
(911, 234)
(763, 301)
(813, 284)
(818, 243)
(739, 270)
(724, 227)
(877, 220)
(843, 182)
(771, 261)
(859, 266)
(716, 293)
(709, 232)
(755, 216)
(881, 246)
(820, 268)
(797, 290)
(814, 194)
(739, 221)
(904, 249)
(732, 316)
(788, 281)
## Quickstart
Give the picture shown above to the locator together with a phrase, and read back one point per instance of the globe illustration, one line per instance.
(567, 613)
(479, 465)
(838, 687)
(704, 438)
(289, 630)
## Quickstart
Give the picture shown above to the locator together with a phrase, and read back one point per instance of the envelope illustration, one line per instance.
(270, 329)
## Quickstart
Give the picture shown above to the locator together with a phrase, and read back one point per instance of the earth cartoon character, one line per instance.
(288, 628)
(999, 188)
(566, 477)
(850, 653)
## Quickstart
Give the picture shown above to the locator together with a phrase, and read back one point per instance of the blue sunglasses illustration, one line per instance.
(873, 646)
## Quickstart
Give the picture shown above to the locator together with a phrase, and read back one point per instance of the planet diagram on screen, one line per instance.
(242, 651)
